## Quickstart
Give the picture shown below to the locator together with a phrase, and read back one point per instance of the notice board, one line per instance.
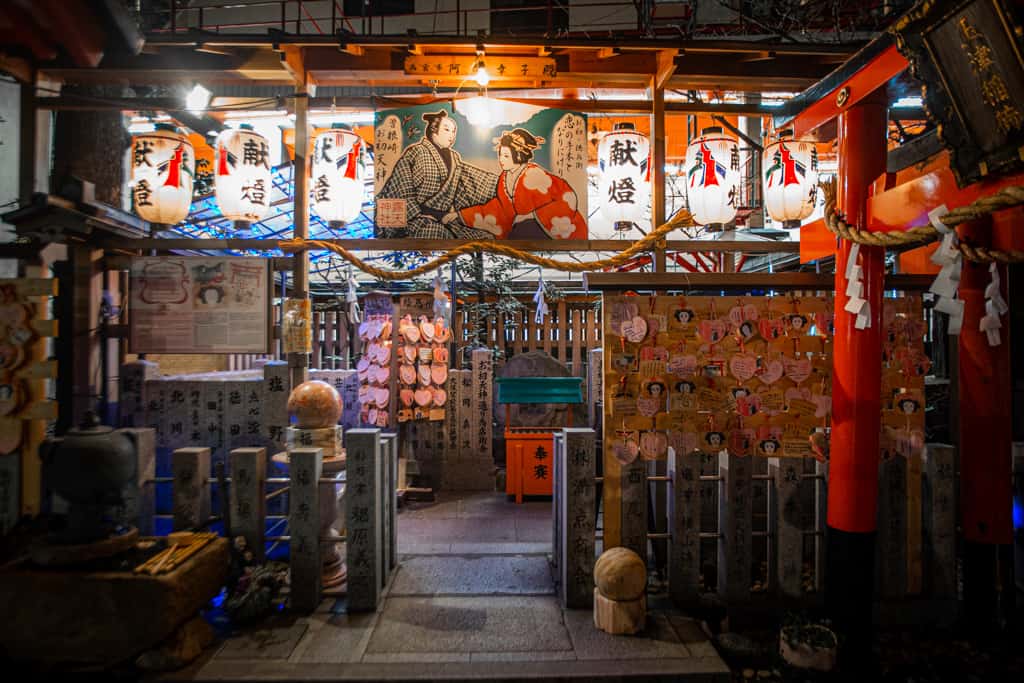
(199, 304)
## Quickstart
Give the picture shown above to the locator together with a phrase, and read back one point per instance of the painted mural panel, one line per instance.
(443, 171)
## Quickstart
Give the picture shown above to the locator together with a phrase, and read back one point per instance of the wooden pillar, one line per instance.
(986, 494)
(85, 361)
(299, 362)
(658, 168)
(856, 388)
(27, 143)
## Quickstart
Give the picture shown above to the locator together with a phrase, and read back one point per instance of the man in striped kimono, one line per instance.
(434, 181)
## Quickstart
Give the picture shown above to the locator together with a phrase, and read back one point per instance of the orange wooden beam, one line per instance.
(872, 75)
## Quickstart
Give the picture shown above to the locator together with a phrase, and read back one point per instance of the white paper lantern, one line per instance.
(339, 166)
(713, 177)
(623, 159)
(242, 179)
(163, 167)
(790, 179)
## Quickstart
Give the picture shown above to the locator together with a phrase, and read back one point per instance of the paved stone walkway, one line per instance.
(473, 599)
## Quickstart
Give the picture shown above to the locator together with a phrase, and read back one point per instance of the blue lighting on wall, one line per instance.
(206, 221)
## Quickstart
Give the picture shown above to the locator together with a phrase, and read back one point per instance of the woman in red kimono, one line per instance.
(530, 202)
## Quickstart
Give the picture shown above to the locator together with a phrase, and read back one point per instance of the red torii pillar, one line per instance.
(856, 390)
(986, 432)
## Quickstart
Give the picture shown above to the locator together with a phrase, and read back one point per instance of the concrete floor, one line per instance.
(473, 599)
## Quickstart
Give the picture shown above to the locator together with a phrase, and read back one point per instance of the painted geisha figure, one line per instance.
(433, 180)
(530, 202)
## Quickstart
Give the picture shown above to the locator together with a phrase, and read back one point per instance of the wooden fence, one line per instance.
(570, 329)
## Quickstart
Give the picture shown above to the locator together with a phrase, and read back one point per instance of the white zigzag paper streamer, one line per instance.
(542, 305)
(947, 282)
(856, 304)
(995, 306)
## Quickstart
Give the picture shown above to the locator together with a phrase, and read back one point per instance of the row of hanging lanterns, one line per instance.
(163, 170)
(713, 178)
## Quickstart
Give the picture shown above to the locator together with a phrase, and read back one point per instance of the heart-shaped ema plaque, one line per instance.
(742, 366)
(653, 445)
(797, 369)
(634, 330)
(625, 451)
(712, 331)
(771, 371)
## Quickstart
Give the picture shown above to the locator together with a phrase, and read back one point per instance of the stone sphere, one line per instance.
(620, 574)
(314, 405)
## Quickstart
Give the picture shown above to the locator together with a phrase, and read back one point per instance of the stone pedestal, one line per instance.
(619, 617)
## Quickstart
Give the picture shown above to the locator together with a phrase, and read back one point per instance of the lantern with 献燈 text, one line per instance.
(163, 168)
(339, 166)
(713, 177)
(790, 179)
(623, 159)
(242, 179)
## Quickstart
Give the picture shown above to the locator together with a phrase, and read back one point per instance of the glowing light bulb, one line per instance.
(198, 99)
(482, 77)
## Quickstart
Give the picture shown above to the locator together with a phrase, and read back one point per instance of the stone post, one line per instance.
(191, 493)
(363, 518)
(306, 466)
(684, 573)
(734, 524)
(249, 497)
(576, 467)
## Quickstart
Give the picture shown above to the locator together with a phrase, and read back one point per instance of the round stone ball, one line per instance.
(314, 405)
(620, 574)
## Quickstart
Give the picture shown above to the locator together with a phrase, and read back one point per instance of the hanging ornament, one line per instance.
(713, 177)
(790, 179)
(441, 306)
(623, 159)
(339, 166)
(163, 168)
(947, 283)
(542, 305)
(242, 180)
(856, 303)
(995, 306)
(355, 316)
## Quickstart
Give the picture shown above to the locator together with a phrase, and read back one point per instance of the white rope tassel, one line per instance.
(856, 303)
(995, 306)
(947, 282)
